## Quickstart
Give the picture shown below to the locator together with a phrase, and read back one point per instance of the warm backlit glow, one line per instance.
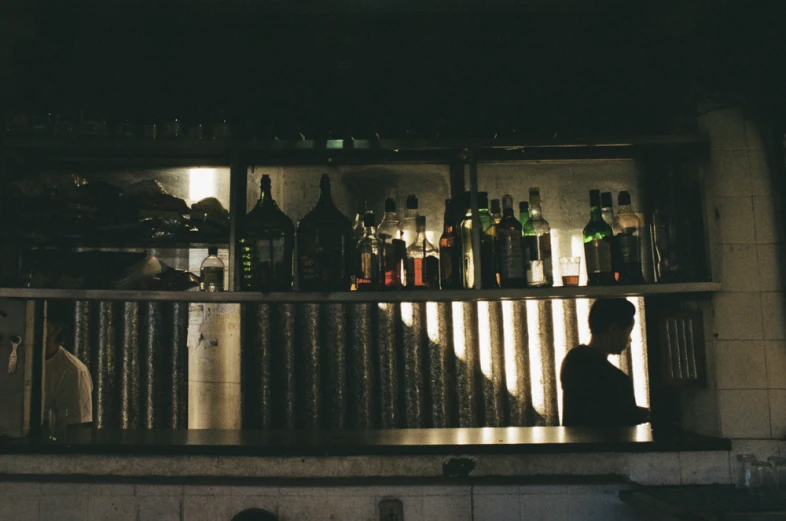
(484, 339)
(535, 359)
(202, 183)
(509, 336)
(560, 346)
(432, 323)
(582, 312)
(407, 314)
(459, 341)
(638, 354)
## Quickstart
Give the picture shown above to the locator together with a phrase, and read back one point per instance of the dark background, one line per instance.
(541, 67)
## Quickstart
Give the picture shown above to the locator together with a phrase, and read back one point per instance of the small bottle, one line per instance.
(537, 240)
(409, 226)
(450, 251)
(512, 266)
(369, 265)
(597, 245)
(496, 211)
(422, 260)
(211, 273)
(628, 243)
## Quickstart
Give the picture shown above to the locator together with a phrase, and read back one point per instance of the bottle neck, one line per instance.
(507, 212)
(389, 216)
(325, 197)
(369, 231)
(411, 213)
(624, 209)
(596, 214)
(534, 211)
(264, 195)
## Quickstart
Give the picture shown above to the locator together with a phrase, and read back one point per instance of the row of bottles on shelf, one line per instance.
(332, 255)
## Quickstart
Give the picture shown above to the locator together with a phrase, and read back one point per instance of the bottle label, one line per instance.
(628, 248)
(511, 253)
(598, 253)
(270, 250)
(538, 259)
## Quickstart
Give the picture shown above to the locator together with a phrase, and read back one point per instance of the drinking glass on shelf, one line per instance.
(761, 477)
(58, 423)
(570, 268)
(743, 470)
(778, 473)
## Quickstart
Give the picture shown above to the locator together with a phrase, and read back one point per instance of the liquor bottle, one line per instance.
(450, 251)
(390, 227)
(597, 244)
(369, 273)
(607, 211)
(512, 267)
(422, 260)
(496, 211)
(358, 227)
(628, 242)
(537, 240)
(409, 230)
(266, 245)
(325, 245)
(211, 273)
(488, 245)
(523, 214)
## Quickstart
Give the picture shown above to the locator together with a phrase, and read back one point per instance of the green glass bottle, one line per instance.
(488, 245)
(597, 245)
(266, 244)
(512, 265)
(537, 240)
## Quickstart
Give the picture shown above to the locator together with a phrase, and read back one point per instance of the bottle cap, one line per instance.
(368, 220)
(495, 206)
(213, 250)
(624, 198)
(412, 202)
(605, 200)
(507, 202)
(534, 196)
(390, 204)
(483, 199)
(524, 206)
(265, 182)
(594, 197)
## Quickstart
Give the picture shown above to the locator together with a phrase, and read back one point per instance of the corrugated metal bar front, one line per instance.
(178, 392)
(129, 367)
(334, 356)
(104, 404)
(361, 362)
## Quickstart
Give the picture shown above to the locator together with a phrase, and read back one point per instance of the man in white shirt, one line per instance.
(67, 382)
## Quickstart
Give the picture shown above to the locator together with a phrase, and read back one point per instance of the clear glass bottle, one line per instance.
(393, 259)
(266, 245)
(450, 251)
(537, 240)
(496, 211)
(211, 273)
(369, 266)
(325, 245)
(389, 227)
(422, 260)
(488, 245)
(597, 245)
(409, 230)
(512, 262)
(358, 227)
(628, 243)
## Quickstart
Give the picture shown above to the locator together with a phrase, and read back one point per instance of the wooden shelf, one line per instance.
(370, 296)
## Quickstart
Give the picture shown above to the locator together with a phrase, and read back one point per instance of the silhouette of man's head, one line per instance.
(611, 322)
(255, 514)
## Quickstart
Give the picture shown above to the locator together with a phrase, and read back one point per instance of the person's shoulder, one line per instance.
(580, 353)
(73, 361)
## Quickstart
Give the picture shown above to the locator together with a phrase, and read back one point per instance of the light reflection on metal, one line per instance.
(438, 383)
(638, 354)
(407, 313)
(582, 311)
(491, 362)
(517, 362)
(535, 360)
(484, 339)
(459, 346)
(560, 345)
(511, 363)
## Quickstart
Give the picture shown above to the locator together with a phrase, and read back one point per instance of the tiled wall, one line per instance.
(126, 502)
(746, 398)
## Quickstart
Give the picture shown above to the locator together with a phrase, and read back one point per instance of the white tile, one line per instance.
(241, 503)
(398, 491)
(754, 133)
(496, 490)
(737, 316)
(208, 508)
(740, 365)
(353, 508)
(86, 489)
(730, 173)
(457, 490)
(776, 363)
(699, 411)
(255, 491)
(158, 508)
(771, 266)
(301, 508)
(18, 509)
(413, 506)
(592, 507)
(544, 508)
(303, 491)
(63, 508)
(778, 412)
(760, 173)
(744, 414)
(774, 315)
(455, 508)
(19, 488)
(739, 267)
(111, 508)
(762, 449)
(497, 508)
(704, 468)
(204, 490)
(654, 468)
(735, 220)
(768, 220)
(725, 128)
(158, 490)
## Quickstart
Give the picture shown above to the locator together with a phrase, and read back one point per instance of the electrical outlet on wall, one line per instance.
(391, 510)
